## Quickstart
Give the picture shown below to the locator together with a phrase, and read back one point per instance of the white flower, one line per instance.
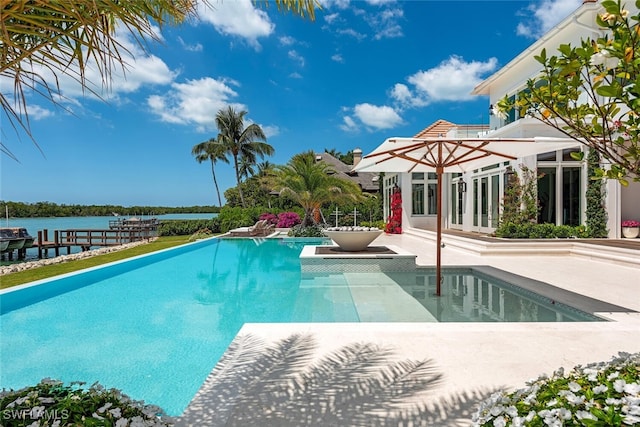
(599, 389)
(632, 389)
(630, 420)
(613, 375)
(574, 386)
(105, 407)
(575, 400)
(618, 385)
(499, 422)
(585, 415)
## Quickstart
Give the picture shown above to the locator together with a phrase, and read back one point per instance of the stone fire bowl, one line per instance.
(353, 240)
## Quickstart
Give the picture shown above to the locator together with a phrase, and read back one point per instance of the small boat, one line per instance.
(12, 238)
(13, 241)
(28, 239)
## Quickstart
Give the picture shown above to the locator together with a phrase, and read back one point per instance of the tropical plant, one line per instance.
(51, 402)
(65, 38)
(597, 394)
(244, 145)
(312, 184)
(520, 201)
(590, 92)
(213, 151)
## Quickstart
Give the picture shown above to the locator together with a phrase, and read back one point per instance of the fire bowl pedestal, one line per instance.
(353, 241)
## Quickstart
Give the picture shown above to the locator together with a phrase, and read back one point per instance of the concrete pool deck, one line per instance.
(478, 358)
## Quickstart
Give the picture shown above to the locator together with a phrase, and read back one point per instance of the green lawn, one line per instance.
(47, 271)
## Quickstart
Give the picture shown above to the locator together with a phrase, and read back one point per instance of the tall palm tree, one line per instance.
(312, 184)
(246, 144)
(65, 37)
(213, 151)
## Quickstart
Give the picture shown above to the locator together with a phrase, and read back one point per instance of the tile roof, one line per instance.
(436, 129)
(363, 179)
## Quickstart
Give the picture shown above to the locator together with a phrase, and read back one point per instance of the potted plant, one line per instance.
(630, 228)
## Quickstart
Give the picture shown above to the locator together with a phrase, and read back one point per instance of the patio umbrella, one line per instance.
(445, 155)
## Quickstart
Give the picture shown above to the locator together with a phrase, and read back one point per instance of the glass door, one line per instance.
(487, 192)
(457, 203)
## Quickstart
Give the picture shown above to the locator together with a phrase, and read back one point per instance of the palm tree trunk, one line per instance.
(215, 182)
(235, 163)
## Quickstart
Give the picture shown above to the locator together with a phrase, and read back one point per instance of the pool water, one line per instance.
(155, 326)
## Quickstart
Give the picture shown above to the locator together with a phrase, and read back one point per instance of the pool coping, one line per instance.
(555, 294)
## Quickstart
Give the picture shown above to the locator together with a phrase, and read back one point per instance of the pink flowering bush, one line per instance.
(271, 218)
(288, 219)
(631, 223)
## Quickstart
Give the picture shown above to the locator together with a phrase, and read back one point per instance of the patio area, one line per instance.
(478, 358)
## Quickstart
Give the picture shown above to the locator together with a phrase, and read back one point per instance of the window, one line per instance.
(559, 189)
(424, 202)
(417, 199)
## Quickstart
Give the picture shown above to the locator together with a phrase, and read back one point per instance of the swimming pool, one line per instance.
(155, 326)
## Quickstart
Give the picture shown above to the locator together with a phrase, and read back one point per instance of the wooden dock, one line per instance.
(120, 232)
(86, 239)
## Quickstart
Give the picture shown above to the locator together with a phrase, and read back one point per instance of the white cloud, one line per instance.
(295, 75)
(377, 117)
(337, 58)
(36, 112)
(385, 23)
(295, 56)
(287, 40)
(452, 80)
(270, 130)
(348, 125)
(237, 18)
(402, 94)
(331, 18)
(197, 47)
(351, 33)
(546, 15)
(380, 2)
(194, 102)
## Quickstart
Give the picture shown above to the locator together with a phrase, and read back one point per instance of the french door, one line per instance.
(487, 193)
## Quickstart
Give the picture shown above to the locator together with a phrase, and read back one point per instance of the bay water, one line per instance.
(33, 225)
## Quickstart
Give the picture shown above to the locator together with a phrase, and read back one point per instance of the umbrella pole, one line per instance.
(439, 232)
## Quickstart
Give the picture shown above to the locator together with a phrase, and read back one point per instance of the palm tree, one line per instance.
(65, 37)
(243, 144)
(213, 151)
(312, 184)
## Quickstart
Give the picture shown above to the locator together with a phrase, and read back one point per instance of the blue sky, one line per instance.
(361, 72)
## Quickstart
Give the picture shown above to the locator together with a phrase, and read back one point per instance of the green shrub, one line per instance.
(542, 231)
(377, 224)
(51, 402)
(598, 394)
(234, 217)
(300, 231)
(186, 227)
(539, 231)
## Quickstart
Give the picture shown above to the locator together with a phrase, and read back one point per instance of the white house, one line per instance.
(472, 201)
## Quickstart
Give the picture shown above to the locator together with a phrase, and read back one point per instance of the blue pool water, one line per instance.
(155, 326)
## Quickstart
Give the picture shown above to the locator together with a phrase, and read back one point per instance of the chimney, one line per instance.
(357, 156)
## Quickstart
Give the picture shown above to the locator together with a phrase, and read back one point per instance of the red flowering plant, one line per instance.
(630, 223)
(394, 223)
